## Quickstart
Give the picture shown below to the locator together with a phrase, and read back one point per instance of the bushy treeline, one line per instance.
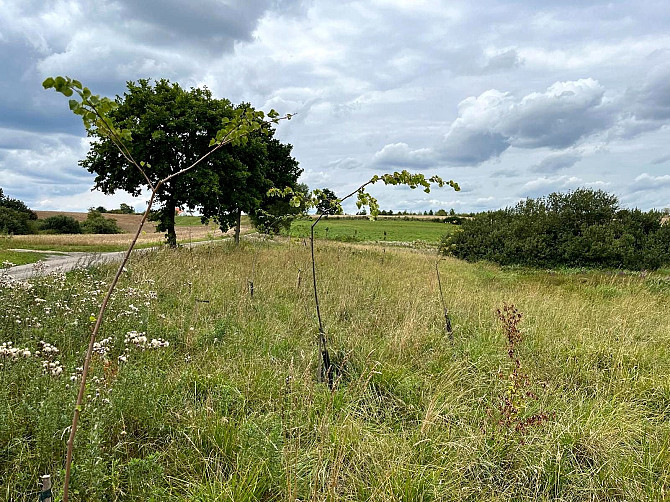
(95, 223)
(581, 228)
(123, 209)
(17, 219)
(15, 216)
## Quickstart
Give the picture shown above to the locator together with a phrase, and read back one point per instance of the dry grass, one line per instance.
(105, 242)
(184, 234)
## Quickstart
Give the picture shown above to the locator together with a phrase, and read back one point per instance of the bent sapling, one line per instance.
(95, 112)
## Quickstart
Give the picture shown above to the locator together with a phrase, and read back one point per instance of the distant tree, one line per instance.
(327, 202)
(441, 212)
(430, 212)
(253, 169)
(15, 216)
(60, 224)
(276, 216)
(16, 205)
(96, 223)
(171, 128)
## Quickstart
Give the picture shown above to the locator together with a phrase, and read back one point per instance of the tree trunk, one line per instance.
(168, 222)
(238, 224)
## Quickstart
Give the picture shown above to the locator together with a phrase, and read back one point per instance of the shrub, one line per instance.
(15, 216)
(60, 224)
(16, 205)
(15, 222)
(96, 223)
(580, 228)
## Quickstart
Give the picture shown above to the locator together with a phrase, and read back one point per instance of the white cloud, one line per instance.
(647, 182)
(545, 185)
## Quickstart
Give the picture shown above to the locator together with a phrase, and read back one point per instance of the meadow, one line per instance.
(201, 392)
(396, 229)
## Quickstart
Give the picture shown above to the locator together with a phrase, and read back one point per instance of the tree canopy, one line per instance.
(172, 128)
(15, 216)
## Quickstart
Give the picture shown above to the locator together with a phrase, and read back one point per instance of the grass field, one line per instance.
(232, 410)
(390, 230)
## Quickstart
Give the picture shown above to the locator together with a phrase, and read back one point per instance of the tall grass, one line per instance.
(232, 410)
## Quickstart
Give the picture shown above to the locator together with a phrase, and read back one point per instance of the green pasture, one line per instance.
(359, 230)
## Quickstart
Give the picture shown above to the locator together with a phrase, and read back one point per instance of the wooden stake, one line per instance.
(45, 494)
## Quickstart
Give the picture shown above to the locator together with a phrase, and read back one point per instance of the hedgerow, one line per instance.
(584, 228)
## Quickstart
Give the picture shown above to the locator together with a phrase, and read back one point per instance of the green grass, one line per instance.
(353, 230)
(187, 221)
(195, 221)
(21, 258)
(232, 409)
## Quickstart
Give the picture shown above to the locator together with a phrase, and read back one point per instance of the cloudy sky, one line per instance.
(512, 99)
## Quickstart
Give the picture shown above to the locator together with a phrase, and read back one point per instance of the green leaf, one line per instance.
(48, 83)
(74, 104)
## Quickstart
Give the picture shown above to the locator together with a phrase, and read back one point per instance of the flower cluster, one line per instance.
(46, 349)
(46, 352)
(53, 368)
(140, 341)
(102, 347)
(8, 351)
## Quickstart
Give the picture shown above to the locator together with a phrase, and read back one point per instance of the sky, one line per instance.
(511, 99)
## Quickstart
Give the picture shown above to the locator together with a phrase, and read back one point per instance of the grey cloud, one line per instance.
(556, 162)
(504, 173)
(214, 24)
(348, 164)
(48, 166)
(503, 61)
(400, 155)
(648, 105)
(362, 75)
(471, 147)
(557, 118)
(653, 99)
(661, 160)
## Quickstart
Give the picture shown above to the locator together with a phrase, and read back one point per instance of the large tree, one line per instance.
(260, 164)
(171, 128)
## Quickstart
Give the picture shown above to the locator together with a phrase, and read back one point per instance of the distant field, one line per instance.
(188, 228)
(396, 230)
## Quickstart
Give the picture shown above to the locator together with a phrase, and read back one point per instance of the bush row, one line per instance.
(581, 228)
(95, 223)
